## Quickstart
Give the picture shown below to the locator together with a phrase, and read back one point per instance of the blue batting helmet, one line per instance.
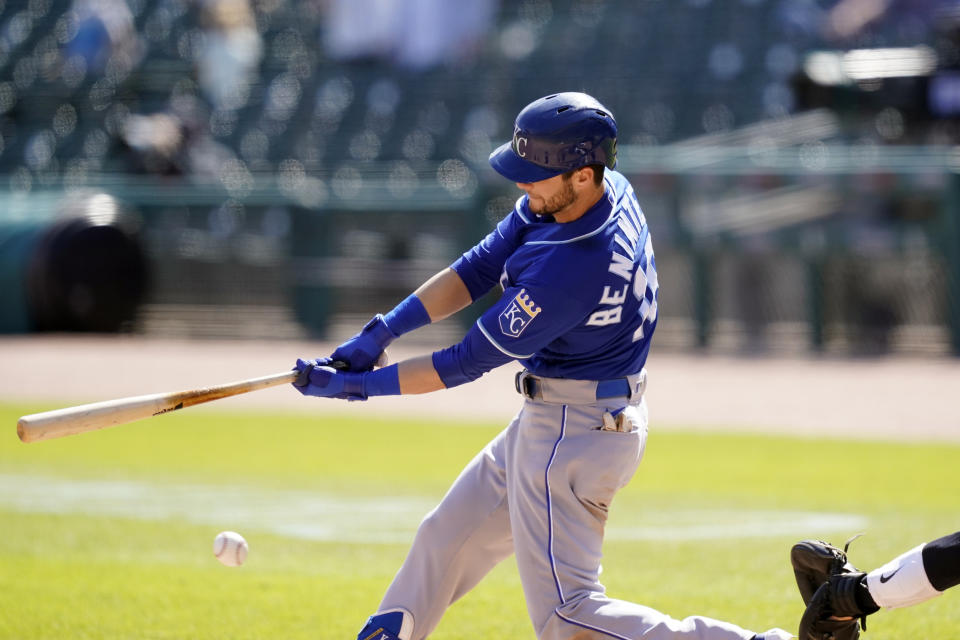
(556, 134)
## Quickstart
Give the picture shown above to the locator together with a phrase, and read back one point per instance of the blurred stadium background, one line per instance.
(266, 169)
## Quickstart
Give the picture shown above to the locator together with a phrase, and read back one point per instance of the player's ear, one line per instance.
(583, 177)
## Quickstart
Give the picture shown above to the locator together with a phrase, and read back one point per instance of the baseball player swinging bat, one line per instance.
(110, 413)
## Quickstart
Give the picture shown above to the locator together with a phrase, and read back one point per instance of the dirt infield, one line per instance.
(899, 399)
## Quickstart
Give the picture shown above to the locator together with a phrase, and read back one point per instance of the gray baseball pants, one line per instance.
(541, 489)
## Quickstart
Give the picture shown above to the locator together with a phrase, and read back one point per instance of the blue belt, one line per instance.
(531, 387)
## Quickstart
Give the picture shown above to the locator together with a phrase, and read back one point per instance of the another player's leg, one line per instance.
(456, 545)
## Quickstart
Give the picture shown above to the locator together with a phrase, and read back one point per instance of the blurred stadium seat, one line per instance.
(731, 71)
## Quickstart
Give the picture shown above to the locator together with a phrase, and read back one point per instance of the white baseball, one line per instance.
(230, 548)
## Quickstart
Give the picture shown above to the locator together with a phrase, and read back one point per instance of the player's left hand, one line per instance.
(317, 379)
(365, 350)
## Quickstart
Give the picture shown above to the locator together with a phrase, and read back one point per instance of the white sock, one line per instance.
(902, 582)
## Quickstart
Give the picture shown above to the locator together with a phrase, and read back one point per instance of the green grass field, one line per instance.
(109, 534)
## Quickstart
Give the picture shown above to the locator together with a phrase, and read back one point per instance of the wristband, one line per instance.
(382, 382)
(407, 316)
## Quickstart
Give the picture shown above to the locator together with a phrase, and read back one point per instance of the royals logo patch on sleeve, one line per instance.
(518, 315)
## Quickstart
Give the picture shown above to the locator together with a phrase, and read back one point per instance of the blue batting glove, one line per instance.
(363, 350)
(317, 379)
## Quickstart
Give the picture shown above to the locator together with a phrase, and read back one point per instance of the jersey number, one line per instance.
(644, 280)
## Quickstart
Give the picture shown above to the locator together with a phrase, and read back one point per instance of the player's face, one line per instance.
(549, 196)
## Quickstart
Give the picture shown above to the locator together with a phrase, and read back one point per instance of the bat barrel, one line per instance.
(90, 417)
(100, 415)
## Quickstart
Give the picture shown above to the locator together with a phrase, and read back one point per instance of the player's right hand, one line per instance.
(317, 379)
(365, 349)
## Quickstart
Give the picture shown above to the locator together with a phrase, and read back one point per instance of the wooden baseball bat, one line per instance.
(99, 415)
(110, 413)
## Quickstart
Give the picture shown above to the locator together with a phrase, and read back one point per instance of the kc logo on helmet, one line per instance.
(519, 143)
(518, 315)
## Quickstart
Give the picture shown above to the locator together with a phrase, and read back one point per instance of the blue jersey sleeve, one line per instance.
(511, 329)
(467, 360)
(481, 266)
(528, 317)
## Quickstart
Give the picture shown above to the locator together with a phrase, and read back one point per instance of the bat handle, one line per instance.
(339, 365)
